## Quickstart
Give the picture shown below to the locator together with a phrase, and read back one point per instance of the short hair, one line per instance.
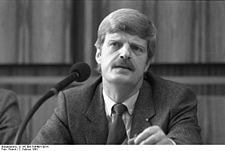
(132, 22)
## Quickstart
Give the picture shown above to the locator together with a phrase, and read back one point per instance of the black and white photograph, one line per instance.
(112, 72)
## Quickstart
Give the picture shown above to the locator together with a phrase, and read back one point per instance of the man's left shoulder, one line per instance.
(169, 90)
(160, 82)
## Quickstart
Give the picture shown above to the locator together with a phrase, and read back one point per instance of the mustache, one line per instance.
(124, 63)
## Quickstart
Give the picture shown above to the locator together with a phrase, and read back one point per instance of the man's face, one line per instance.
(123, 58)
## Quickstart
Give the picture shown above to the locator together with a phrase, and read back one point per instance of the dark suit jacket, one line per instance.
(80, 117)
(9, 116)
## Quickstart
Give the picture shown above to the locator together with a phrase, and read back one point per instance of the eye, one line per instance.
(115, 45)
(137, 49)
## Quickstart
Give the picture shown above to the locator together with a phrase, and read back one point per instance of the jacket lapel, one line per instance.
(96, 130)
(144, 110)
(97, 127)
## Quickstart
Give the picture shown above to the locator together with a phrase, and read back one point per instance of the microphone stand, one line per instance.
(21, 129)
(79, 73)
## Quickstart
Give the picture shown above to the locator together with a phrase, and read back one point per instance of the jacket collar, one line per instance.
(144, 111)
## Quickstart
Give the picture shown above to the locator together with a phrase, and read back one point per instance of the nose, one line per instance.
(125, 52)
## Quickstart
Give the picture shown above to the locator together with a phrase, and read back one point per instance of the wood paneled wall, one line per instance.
(188, 31)
(8, 31)
(211, 118)
(35, 31)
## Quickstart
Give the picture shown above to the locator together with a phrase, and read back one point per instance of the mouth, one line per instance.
(123, 67)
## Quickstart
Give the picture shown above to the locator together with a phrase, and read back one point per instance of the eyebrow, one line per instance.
(131, 43)
(120, 39)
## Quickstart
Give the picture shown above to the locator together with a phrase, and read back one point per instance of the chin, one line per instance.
(122, 80)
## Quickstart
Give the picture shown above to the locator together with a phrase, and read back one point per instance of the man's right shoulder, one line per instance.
(82, 92)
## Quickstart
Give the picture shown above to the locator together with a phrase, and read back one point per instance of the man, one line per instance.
(156, 111)
(9, 117)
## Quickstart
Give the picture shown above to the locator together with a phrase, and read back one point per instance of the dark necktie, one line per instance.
(117, 130)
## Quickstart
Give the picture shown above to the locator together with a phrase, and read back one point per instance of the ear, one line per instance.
(98, 56)
(147, 65)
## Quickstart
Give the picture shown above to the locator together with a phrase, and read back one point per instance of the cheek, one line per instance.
(109, 56)
(142, 65)
(106, 59)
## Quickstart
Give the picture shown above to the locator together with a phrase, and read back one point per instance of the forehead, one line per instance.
(122, 36)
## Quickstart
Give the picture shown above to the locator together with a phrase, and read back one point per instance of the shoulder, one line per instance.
(7, 98)
(79, 96)
(83, 90)
(4, 93)
(167, 86)
(173, 92)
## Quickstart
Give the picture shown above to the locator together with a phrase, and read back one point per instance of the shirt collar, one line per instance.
(130, 102)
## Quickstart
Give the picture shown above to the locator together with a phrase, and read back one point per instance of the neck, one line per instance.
(120, 92)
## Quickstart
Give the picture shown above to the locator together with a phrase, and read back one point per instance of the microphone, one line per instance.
(79, 72)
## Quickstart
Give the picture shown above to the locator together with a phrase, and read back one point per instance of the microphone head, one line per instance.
(83, 70)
